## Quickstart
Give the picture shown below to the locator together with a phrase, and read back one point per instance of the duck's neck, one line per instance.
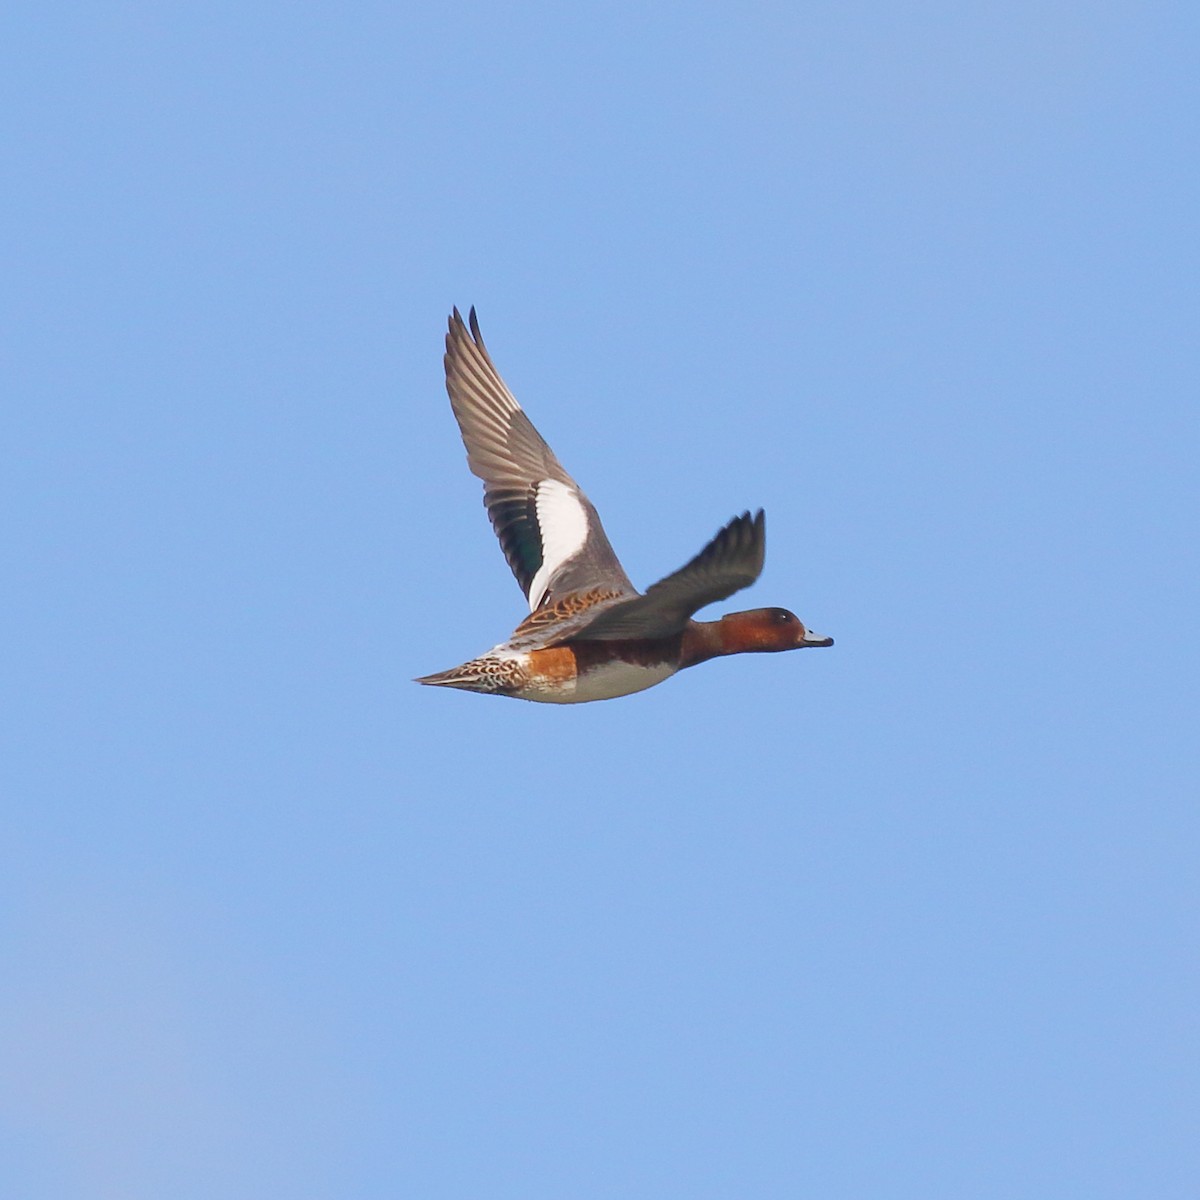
(703, 640)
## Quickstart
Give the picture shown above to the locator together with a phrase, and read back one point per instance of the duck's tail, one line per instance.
(495, 676)
(458, 677)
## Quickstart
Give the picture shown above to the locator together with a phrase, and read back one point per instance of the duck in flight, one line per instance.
(590, 634)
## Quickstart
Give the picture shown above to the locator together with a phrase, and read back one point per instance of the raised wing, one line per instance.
(731, 561)
(548, 529)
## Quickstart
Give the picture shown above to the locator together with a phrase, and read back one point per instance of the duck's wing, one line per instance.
(548, 529)
(731, 561)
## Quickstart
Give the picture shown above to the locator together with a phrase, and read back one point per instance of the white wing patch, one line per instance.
(563, 523)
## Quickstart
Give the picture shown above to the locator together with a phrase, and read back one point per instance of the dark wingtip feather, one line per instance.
(454, 330)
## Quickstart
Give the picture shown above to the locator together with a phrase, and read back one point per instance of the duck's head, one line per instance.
(766, 630)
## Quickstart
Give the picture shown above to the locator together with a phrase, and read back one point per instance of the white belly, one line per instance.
(603, 682)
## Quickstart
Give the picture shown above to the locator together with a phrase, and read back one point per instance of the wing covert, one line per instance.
(549, 531)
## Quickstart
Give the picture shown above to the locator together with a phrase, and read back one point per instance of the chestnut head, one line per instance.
(766, 630)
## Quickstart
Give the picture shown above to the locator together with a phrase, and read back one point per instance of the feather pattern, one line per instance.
(548, 529)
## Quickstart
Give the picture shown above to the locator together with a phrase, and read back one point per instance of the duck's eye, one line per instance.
(783, 617)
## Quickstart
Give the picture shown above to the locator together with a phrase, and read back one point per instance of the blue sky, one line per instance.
(911, 917)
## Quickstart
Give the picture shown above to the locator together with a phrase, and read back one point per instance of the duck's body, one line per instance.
(590, 634)
(571, 674)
